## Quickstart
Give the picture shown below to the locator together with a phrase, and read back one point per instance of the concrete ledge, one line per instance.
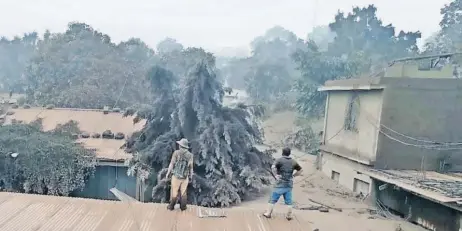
(346, 155)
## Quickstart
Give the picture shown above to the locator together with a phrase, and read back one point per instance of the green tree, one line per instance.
(33, 161)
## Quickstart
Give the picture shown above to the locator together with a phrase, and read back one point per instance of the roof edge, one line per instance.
(352, 88)
(433, 196)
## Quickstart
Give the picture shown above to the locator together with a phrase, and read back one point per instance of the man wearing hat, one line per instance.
(181, 170)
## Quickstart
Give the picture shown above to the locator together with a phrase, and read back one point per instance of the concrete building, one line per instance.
(403, 121)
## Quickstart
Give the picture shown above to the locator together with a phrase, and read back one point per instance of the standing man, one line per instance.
(181, 171)
(285, 169)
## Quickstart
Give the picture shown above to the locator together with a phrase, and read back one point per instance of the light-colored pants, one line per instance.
(178, 184)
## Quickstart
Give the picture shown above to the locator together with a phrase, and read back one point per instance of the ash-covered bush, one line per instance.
(47, 163)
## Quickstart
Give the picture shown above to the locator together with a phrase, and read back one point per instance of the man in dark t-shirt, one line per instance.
(285, 169)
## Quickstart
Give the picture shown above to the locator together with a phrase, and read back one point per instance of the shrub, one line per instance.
(129, 111)
(47, 163)
(21, 101)
(108, 134)
(119, 136)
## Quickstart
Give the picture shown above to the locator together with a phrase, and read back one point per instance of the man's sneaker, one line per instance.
(289, 217)
(267, 215)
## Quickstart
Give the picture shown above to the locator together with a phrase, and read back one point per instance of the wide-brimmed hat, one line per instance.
(183, 143)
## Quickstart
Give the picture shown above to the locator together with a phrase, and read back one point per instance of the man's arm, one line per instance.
(172, 162)
(297, 169)
(274, 167)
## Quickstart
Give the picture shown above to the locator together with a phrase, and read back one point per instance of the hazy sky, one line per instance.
(207, 23)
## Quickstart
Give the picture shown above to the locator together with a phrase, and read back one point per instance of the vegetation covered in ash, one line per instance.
(182, 96)
(227, 166)
(34, 161)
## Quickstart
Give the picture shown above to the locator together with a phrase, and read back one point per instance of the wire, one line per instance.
(410, 137)
(310, 175)
(422, 140)
(431, 147)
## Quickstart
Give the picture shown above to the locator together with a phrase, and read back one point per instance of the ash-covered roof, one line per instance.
(90, 121)
(45, 213)
(443, 188)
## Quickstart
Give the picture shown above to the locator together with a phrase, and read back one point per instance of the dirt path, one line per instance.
(356, 215)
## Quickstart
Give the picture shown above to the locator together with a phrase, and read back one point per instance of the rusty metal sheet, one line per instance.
(44, 213)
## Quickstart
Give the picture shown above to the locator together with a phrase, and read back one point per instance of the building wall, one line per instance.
(104, 179)
(426, 213)
(347, 171)
(408, 70)
(361, 144)
(427, 109)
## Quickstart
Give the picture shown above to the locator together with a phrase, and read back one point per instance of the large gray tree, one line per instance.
(227, 165)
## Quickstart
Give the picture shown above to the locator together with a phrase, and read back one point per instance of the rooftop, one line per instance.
(90, 121)
(43, 213)
(442, 188)
(396, 74)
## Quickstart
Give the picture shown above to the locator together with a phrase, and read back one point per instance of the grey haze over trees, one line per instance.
(14, 57)
(169, 45)
(362, 44)
(322, 36)
(269, 73)
(182, 95)
(82, 68)
(449, 37)
(282, 64)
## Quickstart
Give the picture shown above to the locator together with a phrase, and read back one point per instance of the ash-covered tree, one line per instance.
(322, 36)
(317, 68)
(227, 165)
(33, 161)
(449, 38)
(269, 73)
(169, 45)
(361, 30)
(15, 55)
(82, 68)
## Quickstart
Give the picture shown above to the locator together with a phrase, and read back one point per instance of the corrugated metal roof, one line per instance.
(45, 213)
(91, 121)
(106, 149)
(444, 188)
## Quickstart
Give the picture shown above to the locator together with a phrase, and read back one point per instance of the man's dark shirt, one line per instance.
(285, 167)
